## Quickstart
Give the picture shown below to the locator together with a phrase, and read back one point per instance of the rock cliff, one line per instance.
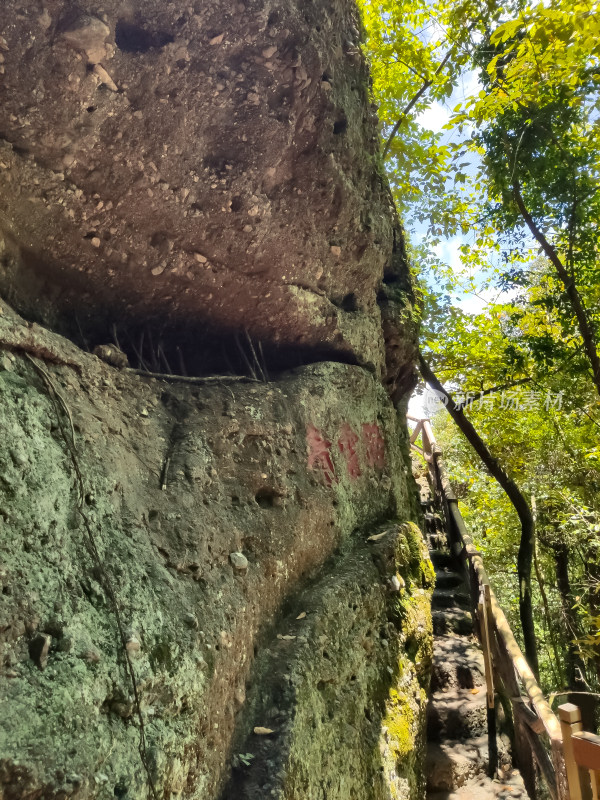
(234, 549)
(210, 587)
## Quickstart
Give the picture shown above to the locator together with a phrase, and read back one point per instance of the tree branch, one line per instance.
(425, 86)
(583, 323)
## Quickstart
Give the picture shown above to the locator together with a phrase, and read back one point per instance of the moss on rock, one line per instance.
(202, 638)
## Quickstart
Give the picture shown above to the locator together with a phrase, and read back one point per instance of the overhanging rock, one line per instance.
(206, 168)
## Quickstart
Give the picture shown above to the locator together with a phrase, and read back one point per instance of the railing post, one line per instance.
(595, 779)
(484, 604)
(427, 434)
(570, 723)
(558, 759)
(484, 630)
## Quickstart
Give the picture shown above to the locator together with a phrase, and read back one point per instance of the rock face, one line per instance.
(209, 543)
(199, 170)
(209, 588)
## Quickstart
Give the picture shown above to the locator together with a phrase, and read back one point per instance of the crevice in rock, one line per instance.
(132, 38)
(340, 126)
(346, 303)
(199, 351)
(337, 606)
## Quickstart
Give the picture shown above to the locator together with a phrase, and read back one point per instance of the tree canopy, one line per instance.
(512, 179)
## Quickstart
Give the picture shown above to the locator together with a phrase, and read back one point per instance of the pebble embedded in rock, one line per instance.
(239, 562)
(105, 78)
(88, 34)
(239, 696)
(92, 656)
(259, 730)
(123, 709)
(133, 644)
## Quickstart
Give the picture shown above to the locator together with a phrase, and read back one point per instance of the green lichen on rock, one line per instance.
(398, 725)
(402, 741)
(238, 481)
(423, 572)
(352, 681)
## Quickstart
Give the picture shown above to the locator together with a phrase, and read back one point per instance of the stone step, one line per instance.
(450, 598)
(423, 486)
(450, 766)
(452, 620)
(437, 541)
(508, 785)
(448, 579)
(442, 559)
(429, 520)
(434, 524)
(457, 714)
(425, 498)
(457, 664)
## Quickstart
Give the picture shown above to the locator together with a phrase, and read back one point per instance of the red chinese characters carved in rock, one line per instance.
(347, 443)
(319, 454)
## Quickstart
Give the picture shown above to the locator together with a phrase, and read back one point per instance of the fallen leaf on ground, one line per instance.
(302, 615)
(260, 731)
(377, 536)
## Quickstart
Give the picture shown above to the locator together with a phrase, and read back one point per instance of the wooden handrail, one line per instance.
(504, 661)
(415, 434)
(582, 752)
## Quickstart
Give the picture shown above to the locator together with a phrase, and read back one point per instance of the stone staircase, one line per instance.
(457, 756)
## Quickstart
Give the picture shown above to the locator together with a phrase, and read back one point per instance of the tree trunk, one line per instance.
(574, 663)
(583, 323)
(520, 504)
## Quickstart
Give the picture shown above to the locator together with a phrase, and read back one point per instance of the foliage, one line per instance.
(528, 130)
(531, 118)
(409, 45)
(536, 124)
(545, 432)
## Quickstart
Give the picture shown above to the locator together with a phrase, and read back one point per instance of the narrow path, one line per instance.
(457, 754)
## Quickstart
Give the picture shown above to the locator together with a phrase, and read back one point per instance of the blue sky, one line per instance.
(434, 118)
